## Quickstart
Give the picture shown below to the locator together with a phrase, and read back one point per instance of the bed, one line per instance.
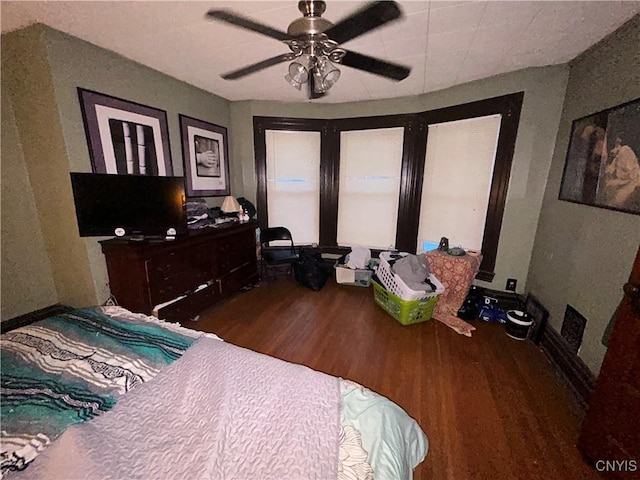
(102, 392)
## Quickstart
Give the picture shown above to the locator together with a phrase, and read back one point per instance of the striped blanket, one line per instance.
(73, 367)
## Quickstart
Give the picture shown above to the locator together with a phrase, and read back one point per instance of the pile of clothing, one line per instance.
(198, 214)
(413, 270)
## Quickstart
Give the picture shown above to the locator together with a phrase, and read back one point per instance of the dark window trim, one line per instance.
(260, 124)
(412, 170)
(509, 106)
(405, 121)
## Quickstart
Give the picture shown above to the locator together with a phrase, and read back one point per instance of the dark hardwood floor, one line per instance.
(492, 407)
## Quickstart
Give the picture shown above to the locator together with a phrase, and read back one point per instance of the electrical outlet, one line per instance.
(511, 284)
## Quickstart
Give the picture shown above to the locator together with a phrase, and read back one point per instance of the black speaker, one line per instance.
(470, 308)
(248, 207)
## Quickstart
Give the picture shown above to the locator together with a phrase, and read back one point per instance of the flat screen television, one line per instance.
(134, 206)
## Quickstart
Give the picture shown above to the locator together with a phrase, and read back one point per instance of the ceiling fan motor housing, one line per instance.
(311, 23)
(312, 7)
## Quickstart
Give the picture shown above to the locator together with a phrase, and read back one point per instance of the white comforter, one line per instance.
(220, 412)
(224, 412)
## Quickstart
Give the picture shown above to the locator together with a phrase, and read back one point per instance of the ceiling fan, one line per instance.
(315, 43)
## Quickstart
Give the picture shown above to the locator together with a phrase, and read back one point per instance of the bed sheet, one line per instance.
(394, 442)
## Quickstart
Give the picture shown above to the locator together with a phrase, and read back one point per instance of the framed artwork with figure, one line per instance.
(125, 137)
(602, 167)
(206, 158)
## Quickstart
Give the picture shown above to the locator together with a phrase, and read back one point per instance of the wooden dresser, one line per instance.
(145, 274)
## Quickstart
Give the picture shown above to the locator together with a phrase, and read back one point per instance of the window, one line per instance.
(370, 167)
(293, 182)
(457, 181)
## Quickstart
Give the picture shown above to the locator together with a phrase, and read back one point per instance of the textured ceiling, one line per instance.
(444, 42)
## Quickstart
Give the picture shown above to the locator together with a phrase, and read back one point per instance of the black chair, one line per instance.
(274, 257)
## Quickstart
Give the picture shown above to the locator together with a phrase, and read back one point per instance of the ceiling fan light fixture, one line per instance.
(325, 75)
(293, 82)
(330, 73)
(318, 86)
(298, 75)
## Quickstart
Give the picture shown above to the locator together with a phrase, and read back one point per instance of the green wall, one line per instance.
(583, 255)
(544, 92)
(28, 83)
(114, 75)
(42, 69)
(27, 279)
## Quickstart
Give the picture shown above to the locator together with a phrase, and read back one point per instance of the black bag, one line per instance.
(309, 270)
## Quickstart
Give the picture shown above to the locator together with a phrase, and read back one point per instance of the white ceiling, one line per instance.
(444, 42)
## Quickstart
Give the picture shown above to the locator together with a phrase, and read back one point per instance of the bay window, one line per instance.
(392, 181)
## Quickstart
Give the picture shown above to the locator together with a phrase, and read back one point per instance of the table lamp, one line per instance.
(230, 205)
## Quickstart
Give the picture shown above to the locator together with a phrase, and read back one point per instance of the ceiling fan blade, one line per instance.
(368, 18)
(239, 21)
(257, 66)
(375, 66)
(312, 90)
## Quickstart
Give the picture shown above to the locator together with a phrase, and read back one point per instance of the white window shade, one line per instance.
(457, 181)
(293, 183)
(370, 166)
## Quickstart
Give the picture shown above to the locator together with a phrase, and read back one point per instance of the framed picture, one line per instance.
(601, 168)
(539, 315)
(205, 153)
(125, 137)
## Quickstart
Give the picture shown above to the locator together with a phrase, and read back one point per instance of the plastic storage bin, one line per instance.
(395, 285)
(348, 276)
(406, 312)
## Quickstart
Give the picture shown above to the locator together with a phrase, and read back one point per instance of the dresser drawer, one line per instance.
(238, 278)
(175, 262)
(235, 251)
(190, 307)
(171, 287)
